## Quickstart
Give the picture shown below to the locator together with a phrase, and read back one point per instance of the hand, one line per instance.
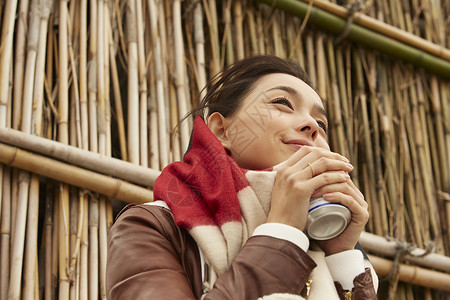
(308, 170)
(347, 194)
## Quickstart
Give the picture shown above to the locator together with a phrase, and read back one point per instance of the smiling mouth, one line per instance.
(297, 144)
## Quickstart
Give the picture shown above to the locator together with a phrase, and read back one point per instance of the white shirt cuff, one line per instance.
(284, 232)
(345, 266)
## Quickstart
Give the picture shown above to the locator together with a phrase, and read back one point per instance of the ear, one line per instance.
(218, 125)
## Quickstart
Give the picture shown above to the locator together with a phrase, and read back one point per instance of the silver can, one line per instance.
(326, 220)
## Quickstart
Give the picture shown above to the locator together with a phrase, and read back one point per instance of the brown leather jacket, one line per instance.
(149, 257)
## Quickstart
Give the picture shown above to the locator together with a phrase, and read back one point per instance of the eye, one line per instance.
(283, 101)
(323, 125)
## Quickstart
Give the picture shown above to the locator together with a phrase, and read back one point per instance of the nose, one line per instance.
(310, 127)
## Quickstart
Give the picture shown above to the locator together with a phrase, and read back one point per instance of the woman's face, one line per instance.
(276, 119)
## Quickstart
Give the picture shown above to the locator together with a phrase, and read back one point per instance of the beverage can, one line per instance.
(326, 220)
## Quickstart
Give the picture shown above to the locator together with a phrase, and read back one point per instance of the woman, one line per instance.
(228, 221)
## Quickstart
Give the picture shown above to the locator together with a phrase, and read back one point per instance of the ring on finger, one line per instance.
(312, 170)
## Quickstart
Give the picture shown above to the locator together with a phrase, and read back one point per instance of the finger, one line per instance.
(327, 178)
(325, 164)
(359, 213)
(346, 187)
(308, 154)
(343, 187)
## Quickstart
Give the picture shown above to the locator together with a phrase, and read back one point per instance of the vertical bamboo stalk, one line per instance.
(211, 17)
(261, 32)
(63, 137)
(19, 61)
(227, 41)
(48, 227)
(83, 76)
(370, 183)
(43, 12)
(5, 223)
(199, 37)
(84, 250)
(276, 33)
(73, 224)
(92, 78)
(142, 77)
(63, 242)
(133, 87)
(160, 97)
(101, 79)
(321, 69)
(93, 249)
(6, 42)
(337, 124)
(310, 67)
(252, 31)
(180, 74)
(19, 237)
(117, 96)
(55, 243)
(239, 32)
(31, 242)
(102, 245)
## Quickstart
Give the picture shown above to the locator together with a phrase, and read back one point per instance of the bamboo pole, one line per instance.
(19, 237)
(40, 24)
(48, 289)
(133, 87)
(102, 132)
(44, 166)
(78, 157)
(199, 38)
(63, 136)
(21, 224)
(158, 73)
(5, 223)
(30, 260)
(55, 244)
(227, 56)
(142, 80)
(388, 247)
(6, 42)
(239, 31)
(385, 29)
(93, 249)
(366, 37)
(19, 61)
(211, 18)
(180, 75)
(84, 249)
(117, 97)
(412, 274)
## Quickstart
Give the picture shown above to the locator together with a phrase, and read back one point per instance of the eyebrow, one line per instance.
(296, 94)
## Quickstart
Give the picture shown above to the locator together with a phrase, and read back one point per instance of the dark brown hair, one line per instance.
(228, 88)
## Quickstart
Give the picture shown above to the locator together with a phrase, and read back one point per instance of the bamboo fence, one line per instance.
(91, 92)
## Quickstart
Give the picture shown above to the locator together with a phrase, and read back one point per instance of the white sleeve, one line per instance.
(345, 266)
(284, 232)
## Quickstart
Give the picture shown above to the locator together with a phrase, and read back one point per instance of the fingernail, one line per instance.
(345, 159)
(350, 165)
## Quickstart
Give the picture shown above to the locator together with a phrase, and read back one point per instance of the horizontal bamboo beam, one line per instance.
(81, 158)
(412, 274)
(41, 165)
(384, 28)
(363, 36)
(381, 246)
